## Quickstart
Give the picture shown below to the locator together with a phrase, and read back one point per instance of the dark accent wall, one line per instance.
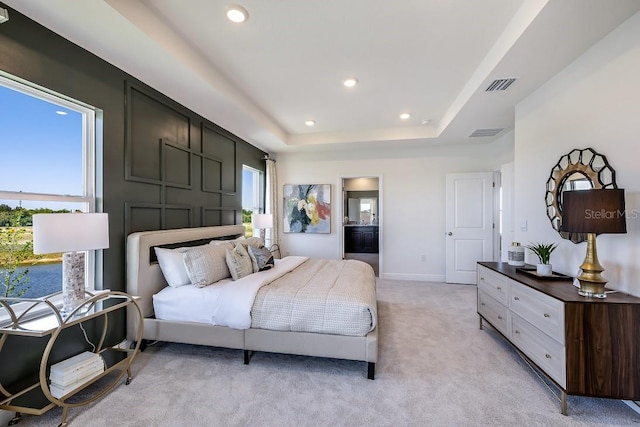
(164, 165)
(186, 169)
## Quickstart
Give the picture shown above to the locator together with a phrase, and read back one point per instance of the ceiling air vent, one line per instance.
(500, 84)
(485, 132)
(4, 15)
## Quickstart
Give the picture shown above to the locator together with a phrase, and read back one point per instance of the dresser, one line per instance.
(585, 346)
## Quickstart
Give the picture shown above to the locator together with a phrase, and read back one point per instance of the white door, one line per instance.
(469, 222)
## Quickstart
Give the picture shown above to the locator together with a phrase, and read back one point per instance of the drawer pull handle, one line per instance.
(481, 303)
(482, 278)
(500, 317)
(547, 315)
(516, 298)
(548, 356)
(517, 331)
(499, 288)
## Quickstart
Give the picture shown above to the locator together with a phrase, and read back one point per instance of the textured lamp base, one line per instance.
(72, 281)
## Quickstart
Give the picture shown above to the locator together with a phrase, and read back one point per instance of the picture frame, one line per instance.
(307, 208)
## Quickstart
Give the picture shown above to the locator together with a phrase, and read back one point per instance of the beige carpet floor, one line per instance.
(436, 368)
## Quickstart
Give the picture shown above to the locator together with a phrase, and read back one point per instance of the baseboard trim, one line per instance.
(414, 277)
(635, 405)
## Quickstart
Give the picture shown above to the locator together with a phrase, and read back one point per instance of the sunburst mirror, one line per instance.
(580, 169)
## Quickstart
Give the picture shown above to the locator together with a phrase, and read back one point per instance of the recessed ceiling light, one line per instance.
(62, 113)
(350, 82)
(237, 14)
(405, 116)
(310, 122)
(425, 122)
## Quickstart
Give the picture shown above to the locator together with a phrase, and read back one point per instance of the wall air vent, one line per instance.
(500, 84)
(478, 133)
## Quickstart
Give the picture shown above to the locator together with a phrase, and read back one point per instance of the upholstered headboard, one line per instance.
(144, 277)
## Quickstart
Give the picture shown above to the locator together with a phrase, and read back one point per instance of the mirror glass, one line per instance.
(361, 207)
(368, 210)
(574, 181)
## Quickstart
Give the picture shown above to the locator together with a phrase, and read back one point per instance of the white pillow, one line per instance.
(206, 264)
(172, 266)
(222, 242)
(239, 262)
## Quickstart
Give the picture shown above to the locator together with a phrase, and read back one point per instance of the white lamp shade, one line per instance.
(262, 221)
(70, 232)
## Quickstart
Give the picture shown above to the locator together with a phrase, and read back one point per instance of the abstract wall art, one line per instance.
(307, 208)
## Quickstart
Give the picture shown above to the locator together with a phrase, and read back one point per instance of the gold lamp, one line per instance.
(593, 212)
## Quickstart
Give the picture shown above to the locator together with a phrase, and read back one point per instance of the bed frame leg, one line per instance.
(371, 370)
(247, 356)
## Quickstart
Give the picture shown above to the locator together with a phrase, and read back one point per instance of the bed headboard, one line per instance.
(144, 277)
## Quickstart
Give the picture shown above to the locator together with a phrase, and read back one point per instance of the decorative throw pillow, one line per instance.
(261, 258)
(255, 242)
(239, 262)
(206, 264)
(172, 266)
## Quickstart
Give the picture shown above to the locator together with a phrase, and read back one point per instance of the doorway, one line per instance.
(470, 230)
(362, 220)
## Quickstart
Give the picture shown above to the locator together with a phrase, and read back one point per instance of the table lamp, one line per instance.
(72, 234)
(262, 222)
(593, 212)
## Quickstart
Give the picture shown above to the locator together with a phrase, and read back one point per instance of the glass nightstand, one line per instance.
(41, 319)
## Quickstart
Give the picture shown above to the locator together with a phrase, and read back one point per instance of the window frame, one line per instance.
(91, 171)
(257, 186)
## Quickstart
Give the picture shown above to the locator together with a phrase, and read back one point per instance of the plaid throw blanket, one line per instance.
(323, 296)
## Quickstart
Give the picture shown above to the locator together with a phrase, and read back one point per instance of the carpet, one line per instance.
(435, 368)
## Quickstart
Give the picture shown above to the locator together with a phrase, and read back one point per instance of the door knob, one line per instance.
(449, 234)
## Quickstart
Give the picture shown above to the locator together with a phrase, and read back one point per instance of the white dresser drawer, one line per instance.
(545, 352)
(494, 312)
(495, 284)
(542, 311)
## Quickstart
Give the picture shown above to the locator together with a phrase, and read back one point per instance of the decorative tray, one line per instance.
(532, 272)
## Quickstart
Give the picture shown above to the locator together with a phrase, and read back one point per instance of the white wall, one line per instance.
(412, 200)
(594, 102)
(508, 212)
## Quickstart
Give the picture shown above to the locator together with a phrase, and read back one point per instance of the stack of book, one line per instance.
(72, 373)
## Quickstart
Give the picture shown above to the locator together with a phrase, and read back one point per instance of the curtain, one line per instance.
(271, 205)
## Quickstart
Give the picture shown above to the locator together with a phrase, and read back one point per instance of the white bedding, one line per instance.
(225, 303)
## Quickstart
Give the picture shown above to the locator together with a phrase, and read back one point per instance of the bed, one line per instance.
(264, 331)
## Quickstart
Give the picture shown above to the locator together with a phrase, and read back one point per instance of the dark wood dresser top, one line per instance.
(559, 289)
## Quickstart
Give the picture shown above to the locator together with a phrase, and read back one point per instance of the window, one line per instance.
(252, 195)
(48, 164)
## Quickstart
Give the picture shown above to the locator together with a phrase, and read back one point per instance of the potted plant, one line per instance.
(543, 252)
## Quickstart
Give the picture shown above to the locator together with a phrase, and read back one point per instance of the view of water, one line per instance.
(45, 279)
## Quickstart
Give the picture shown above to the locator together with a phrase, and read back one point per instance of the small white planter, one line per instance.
(544, 270)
